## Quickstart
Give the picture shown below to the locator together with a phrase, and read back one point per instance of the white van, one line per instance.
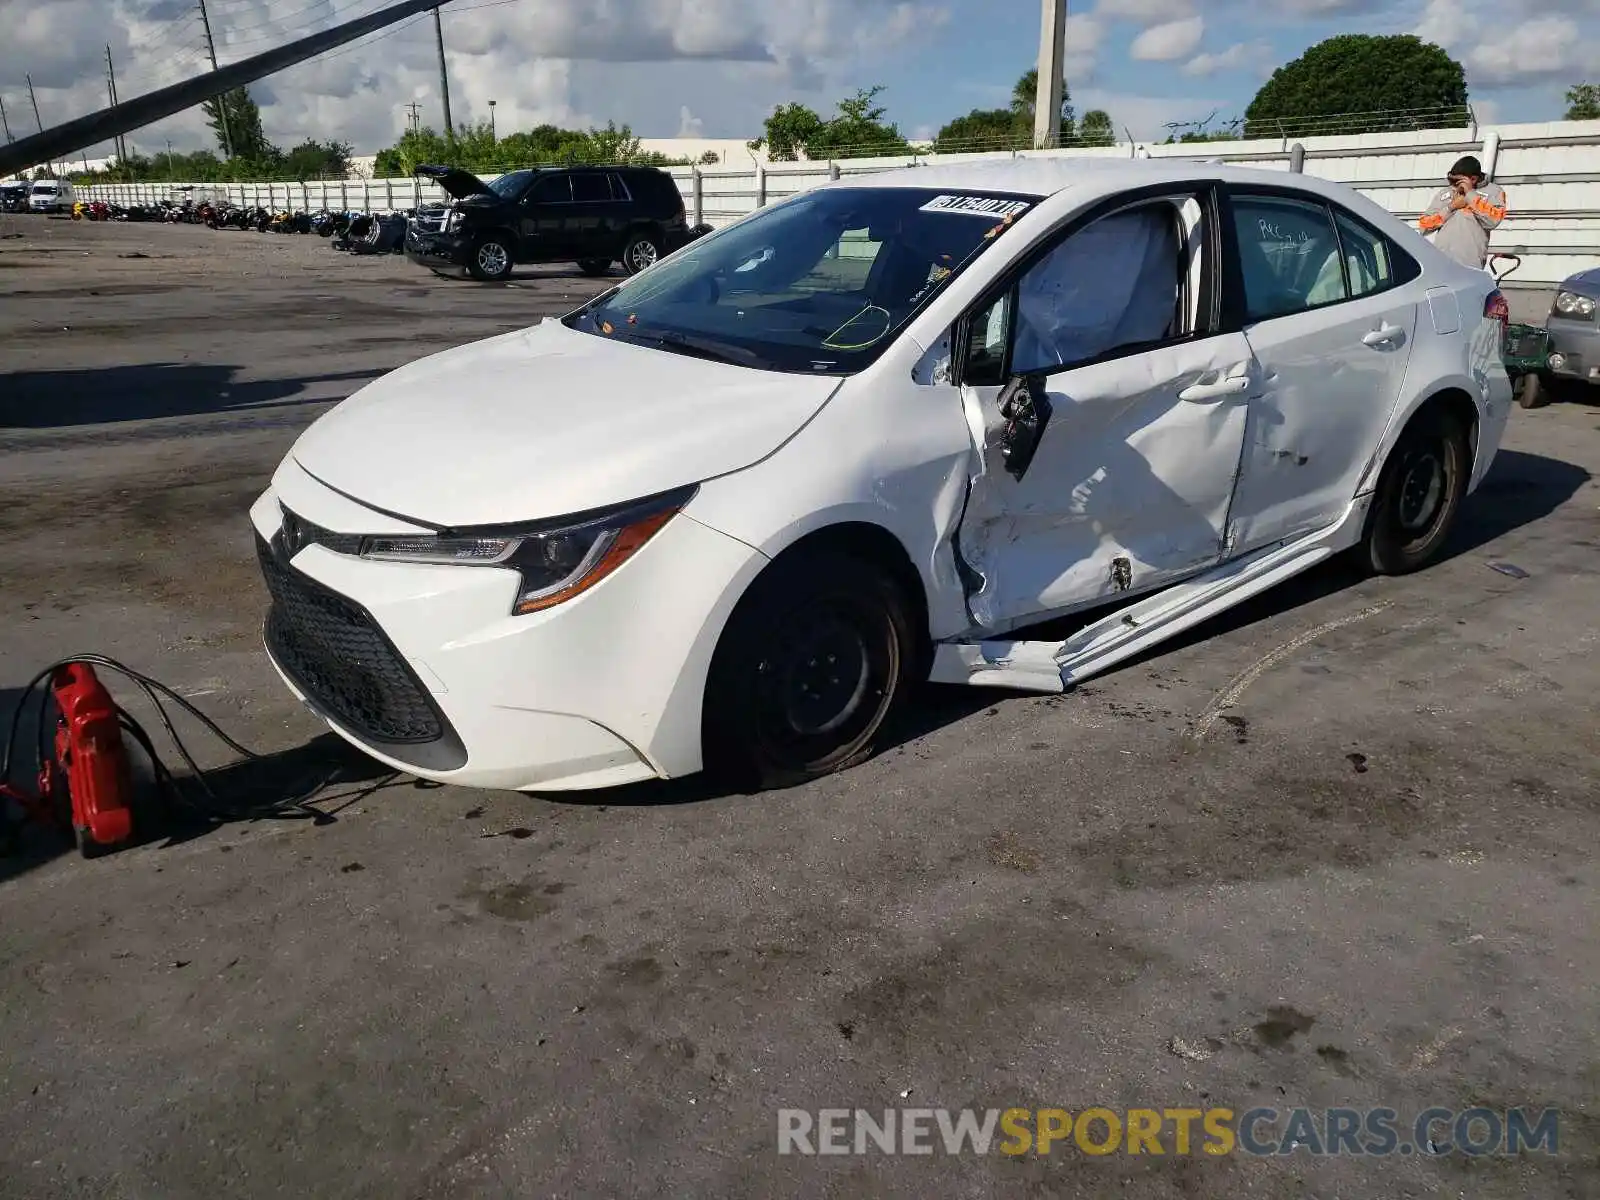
(51, 196)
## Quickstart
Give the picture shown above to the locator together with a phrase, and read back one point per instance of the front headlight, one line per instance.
(1570, 304)
(554, 562)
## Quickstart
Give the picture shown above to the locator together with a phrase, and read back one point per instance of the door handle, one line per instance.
(1215, 391)
(1383, 336)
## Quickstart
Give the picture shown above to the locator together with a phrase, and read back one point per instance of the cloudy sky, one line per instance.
(714, 68)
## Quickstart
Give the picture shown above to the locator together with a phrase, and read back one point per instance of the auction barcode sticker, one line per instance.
(977, 206)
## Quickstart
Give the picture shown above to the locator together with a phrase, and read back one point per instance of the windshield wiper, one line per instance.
(699, 347)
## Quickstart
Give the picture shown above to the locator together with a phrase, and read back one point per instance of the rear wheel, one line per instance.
(491, 259)
(813, 661)
(594, 266)
(642, 251)
(1418, 495)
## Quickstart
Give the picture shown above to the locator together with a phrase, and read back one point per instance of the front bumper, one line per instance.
(1578, 345)
(437, 249)
(422, 666)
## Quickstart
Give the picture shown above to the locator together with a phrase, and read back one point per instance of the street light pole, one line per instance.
(492, 136)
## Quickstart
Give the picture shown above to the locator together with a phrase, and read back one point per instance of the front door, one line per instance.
(1142, 404)
(1332, 331)
(546, 211)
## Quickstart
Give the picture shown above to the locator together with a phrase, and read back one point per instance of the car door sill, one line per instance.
(1055, 666)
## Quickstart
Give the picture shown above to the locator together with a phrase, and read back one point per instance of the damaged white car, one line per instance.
(728, 513)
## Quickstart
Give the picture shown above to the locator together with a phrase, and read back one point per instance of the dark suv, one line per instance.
(592, 216)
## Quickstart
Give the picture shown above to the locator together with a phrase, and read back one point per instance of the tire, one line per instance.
(1531, 392)
(642, 250)
(594, 266)
(491, 259)
(1418, 496)
(772, 717)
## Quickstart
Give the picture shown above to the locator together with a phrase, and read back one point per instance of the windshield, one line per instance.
(44, 189)
(818, 284)
(508, 186)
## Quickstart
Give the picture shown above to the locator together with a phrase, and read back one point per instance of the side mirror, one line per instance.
(1026, 410)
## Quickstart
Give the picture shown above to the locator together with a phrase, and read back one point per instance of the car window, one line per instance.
(1368, 259)
(590, 189)
(1113, 285)
(1289, 256)
(552, 189)
(619, 188)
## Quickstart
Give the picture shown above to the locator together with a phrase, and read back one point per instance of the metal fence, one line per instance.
(1551, 173)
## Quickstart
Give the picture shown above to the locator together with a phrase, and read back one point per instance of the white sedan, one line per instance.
(727, 514)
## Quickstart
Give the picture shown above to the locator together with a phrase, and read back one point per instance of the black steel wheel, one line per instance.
(1419, 494)
(807, 671)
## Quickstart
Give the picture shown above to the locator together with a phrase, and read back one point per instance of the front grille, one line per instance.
(335, 652)
(1526, 343)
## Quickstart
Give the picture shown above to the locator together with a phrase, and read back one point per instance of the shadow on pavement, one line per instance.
(57, 399)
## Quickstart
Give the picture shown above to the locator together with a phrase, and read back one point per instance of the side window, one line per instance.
(1368, 257)
(590, 188)
(1114, 285)
(552, 189)
(1289, 256)
(986, 343)
(619, 189)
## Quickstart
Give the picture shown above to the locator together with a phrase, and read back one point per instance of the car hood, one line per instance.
(456, 182)
(548, 421)
(1586, 283)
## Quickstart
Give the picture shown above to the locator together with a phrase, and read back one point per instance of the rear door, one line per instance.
(1142, 401)
(1321, 297)
(591, 202)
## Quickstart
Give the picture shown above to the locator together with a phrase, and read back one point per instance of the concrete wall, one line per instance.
(1551, 173)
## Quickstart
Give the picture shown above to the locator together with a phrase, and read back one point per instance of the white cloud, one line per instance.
(1168, 42)
(1253, 56)
(1144, 12)
(1519, 45)
(689, 125)
(538, 59)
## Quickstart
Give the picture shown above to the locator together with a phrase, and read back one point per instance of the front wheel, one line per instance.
(1418, 495)
(1531, 392)
(491, 260)
(642, 251)
(807, 672)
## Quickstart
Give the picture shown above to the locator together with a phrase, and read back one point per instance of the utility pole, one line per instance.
(37, 119)
(111, 90)
(1052, 65)
(416, 116)
(222, 100)
(444, 79)
(3, 120)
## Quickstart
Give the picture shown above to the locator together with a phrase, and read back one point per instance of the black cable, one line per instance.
(164, 777)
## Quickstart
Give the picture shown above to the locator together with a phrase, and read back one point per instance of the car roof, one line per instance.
(1047, 176)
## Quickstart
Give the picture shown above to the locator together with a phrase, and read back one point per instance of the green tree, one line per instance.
(1361, 83)
(1583, 102)
(980, 130)
(789, 130)
(317, 160)
(1096, 129)
(243, 125)
(857, 130)
(1025, 102)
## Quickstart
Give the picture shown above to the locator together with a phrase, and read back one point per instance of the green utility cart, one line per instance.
(1527, 351)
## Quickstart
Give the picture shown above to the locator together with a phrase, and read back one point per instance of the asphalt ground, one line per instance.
(1337, 849)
